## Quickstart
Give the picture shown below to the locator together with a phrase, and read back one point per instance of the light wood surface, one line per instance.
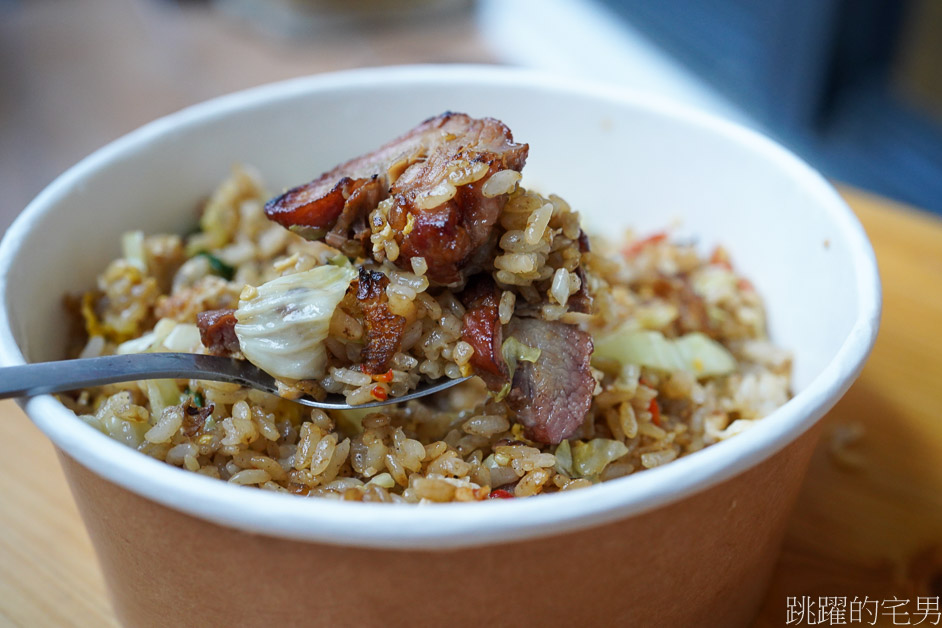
(868, 521)
(869, 518)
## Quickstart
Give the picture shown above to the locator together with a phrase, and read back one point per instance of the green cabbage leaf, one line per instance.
(695, 352)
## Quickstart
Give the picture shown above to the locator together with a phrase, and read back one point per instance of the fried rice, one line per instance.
(651, 297)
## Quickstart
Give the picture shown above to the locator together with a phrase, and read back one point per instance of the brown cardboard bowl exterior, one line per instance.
(703, 560)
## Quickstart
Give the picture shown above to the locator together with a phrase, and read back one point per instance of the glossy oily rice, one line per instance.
(681, 359)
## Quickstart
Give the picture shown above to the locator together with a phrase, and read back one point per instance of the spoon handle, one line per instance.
(48, 377)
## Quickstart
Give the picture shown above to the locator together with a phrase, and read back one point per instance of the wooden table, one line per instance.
(868, 521)
(869, 518)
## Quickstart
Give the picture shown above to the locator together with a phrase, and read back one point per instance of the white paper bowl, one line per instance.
(620, 158)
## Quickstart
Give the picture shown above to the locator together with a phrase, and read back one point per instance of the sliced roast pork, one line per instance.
(436, 174)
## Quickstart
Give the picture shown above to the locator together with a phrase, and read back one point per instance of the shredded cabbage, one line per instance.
(221, 215)
(563, 455)
(695, 353)
(503, 392)
(167, 335)
(133, 250)
(137, 345)
(514, 351)
(185, 338)
(282, 326)
(340, 259)
(161, 393)
(590, 458)
(656, 315)
(714, 283)
(130, 433)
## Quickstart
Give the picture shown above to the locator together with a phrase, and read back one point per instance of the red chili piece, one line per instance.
(379, 393)
(655, 411)
(384, 377)
(500, 494)
(635, 247)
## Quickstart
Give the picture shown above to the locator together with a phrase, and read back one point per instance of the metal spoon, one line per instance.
(28, 380)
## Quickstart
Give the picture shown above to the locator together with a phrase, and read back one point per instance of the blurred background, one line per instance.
(852, 86)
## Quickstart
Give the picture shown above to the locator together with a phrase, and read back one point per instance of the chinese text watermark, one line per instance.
(842, 611)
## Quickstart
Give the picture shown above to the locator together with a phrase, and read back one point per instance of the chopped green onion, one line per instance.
(218, 266)
(195, 396)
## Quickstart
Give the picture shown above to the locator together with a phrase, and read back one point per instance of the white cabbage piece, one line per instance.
(514, 351)
(161, 393)
(714, 283)
(167, 335)
(282, 324)
(184, 338)
(133, 250)
(656, 315)
(351, 421)
(590, 458)
(563, 455)
(695, 352)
